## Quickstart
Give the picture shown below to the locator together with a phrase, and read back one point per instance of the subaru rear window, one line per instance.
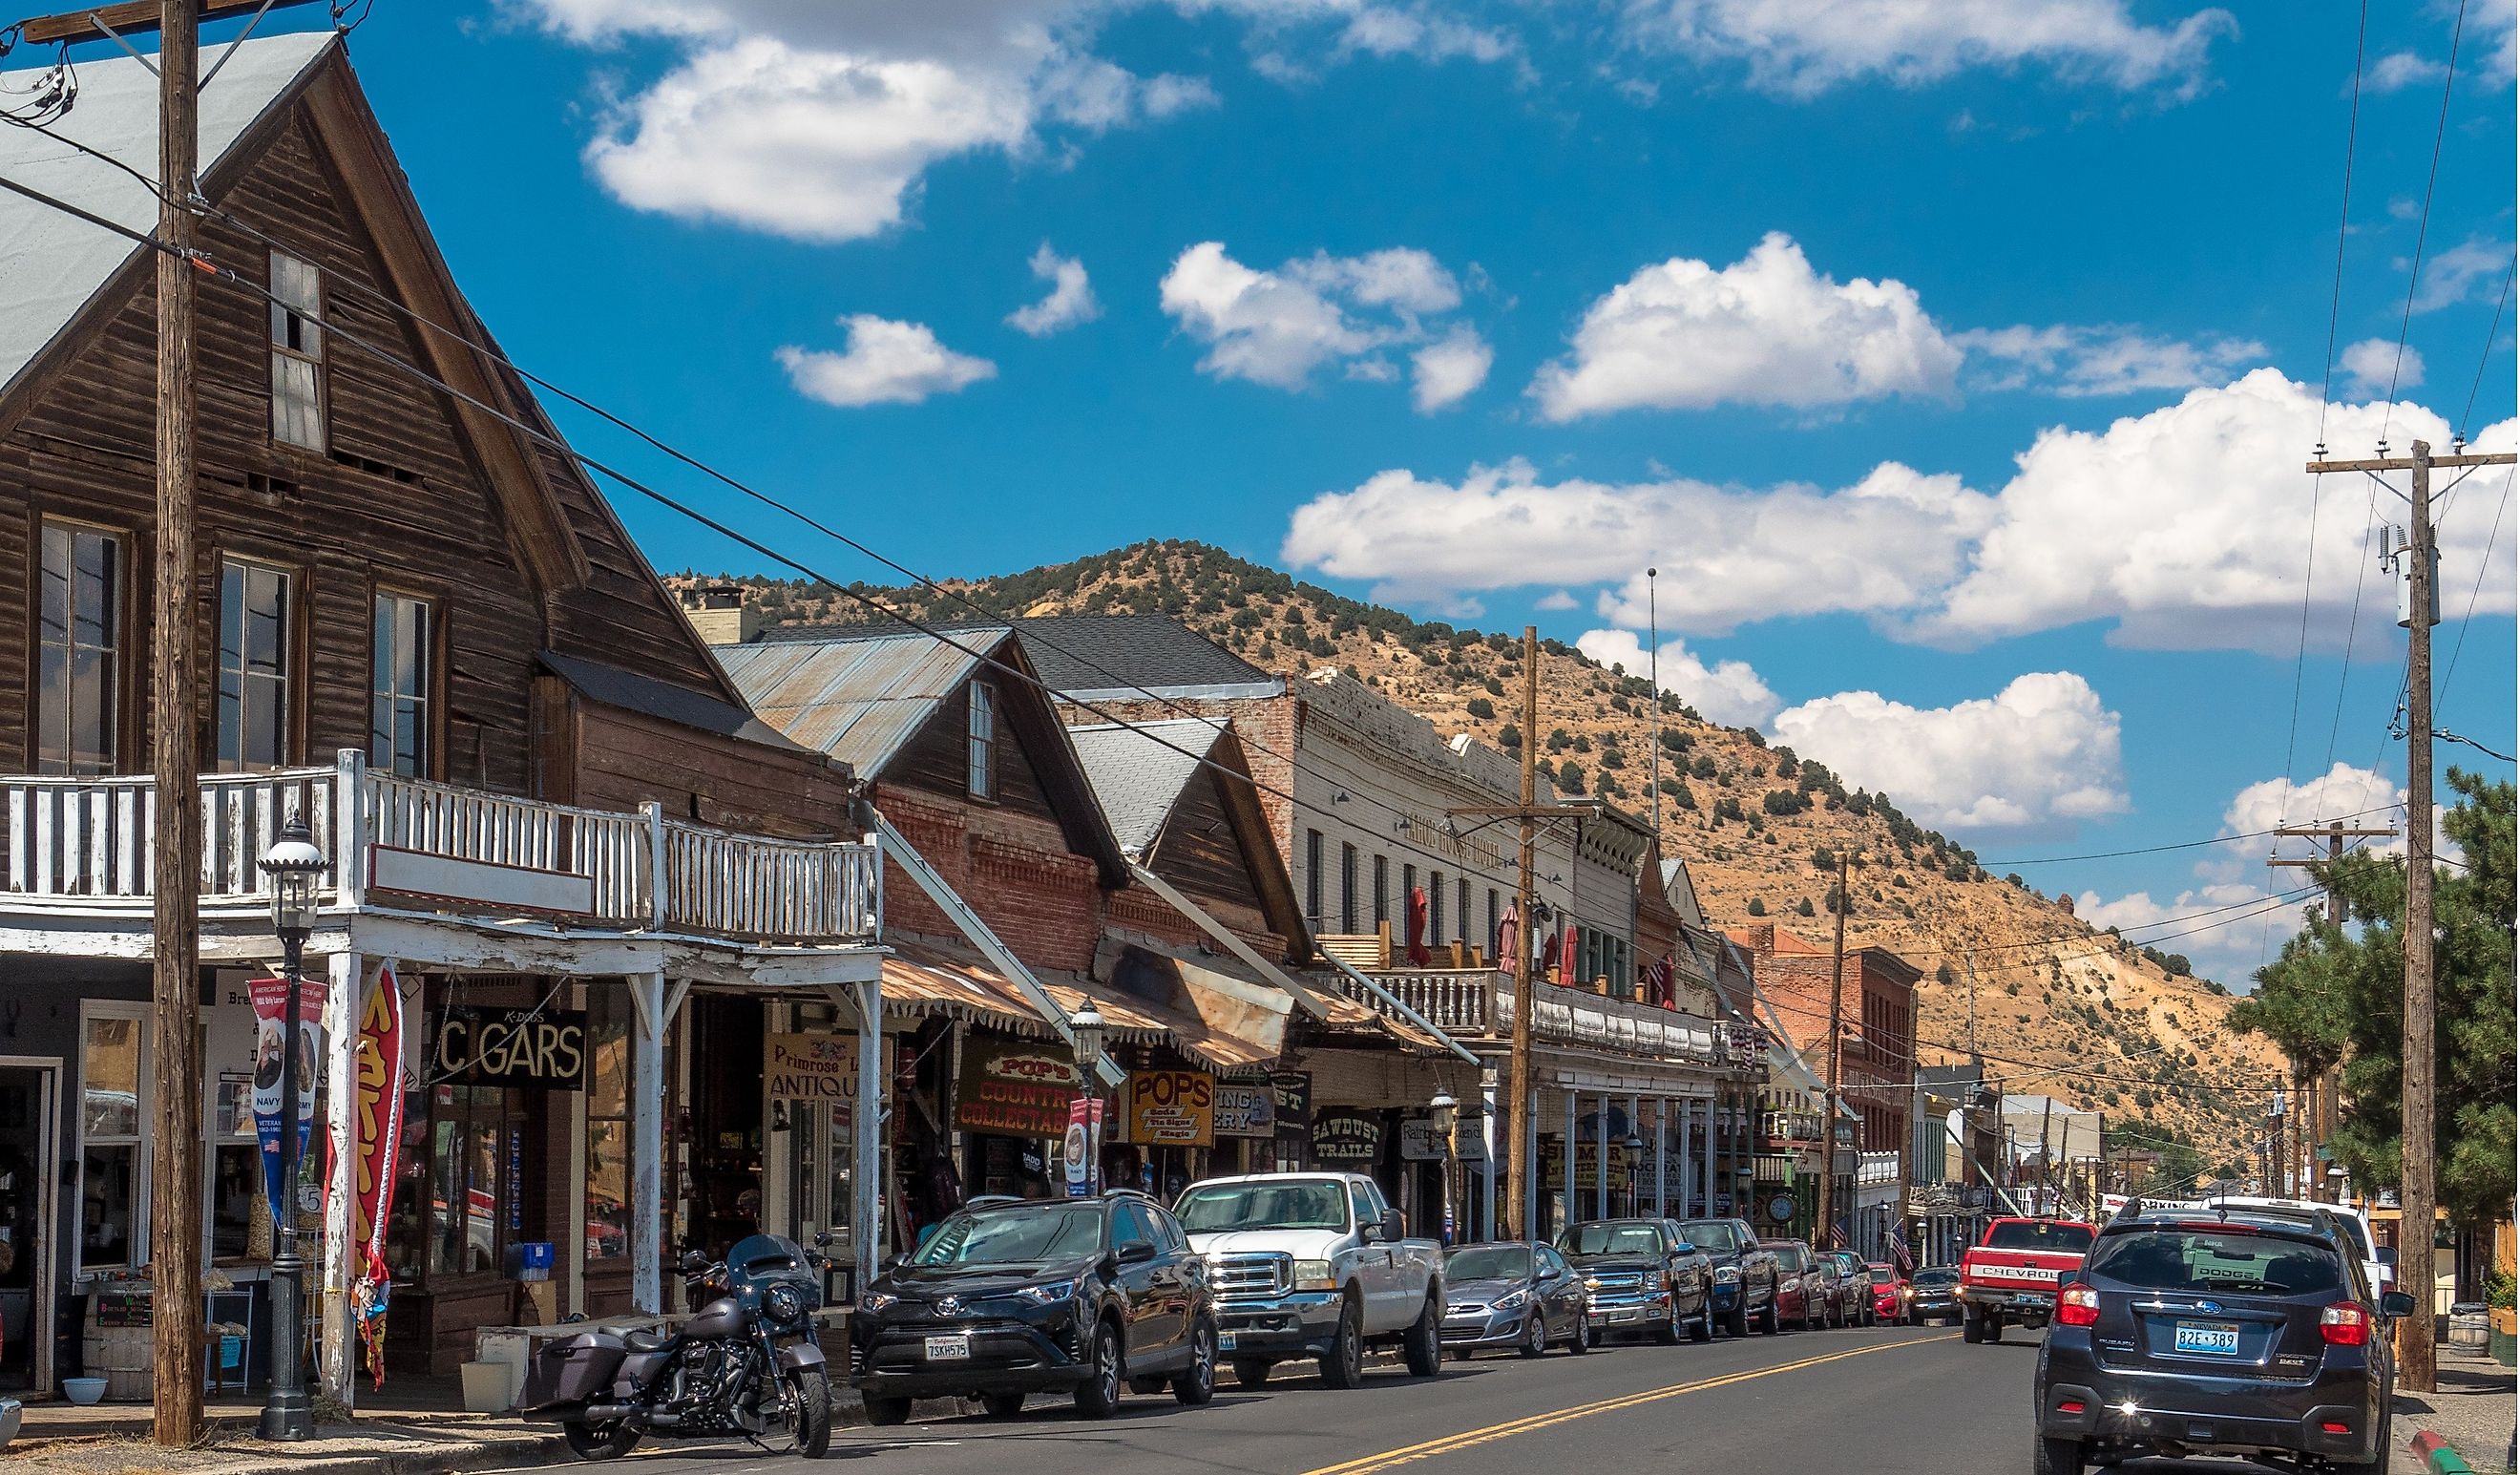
(2041, 1236)
(2216, 1260)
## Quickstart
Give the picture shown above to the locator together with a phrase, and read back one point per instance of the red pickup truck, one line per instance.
(2010, 1274)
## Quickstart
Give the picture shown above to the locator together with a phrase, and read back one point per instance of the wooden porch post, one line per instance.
(647, 1142)
(866, 1119)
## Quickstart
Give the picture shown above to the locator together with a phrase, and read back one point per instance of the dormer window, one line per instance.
(296, 353)
(984, 740)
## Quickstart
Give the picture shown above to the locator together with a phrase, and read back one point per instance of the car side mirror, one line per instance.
(1135, 1252)
(1552, 1272)
(2397, 1304)
(822, 1239)
(1391, 1229)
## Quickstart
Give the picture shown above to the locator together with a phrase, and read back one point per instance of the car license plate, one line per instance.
(952, 1349)
(1627, 1315)
(2213, 1339)
(1225, 1341)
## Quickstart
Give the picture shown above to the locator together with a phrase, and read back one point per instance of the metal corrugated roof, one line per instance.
(51, 264)
(1139, 770)
(858, 701)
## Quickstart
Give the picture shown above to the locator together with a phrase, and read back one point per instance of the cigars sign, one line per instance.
(1014, 1089)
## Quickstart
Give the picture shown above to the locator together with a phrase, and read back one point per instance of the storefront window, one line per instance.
(109, 1116)
(608, 1124)
(474, 1134)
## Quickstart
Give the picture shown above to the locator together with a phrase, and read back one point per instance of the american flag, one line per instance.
(1837, 1240)
(1659, 975)
(1899, 1251)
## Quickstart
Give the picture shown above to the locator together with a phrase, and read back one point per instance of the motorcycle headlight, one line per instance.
(1727, 1275)
(1314, 1274)
(1049, 1293)
(1510, 1301)
(877, 1301)
(784, 1302)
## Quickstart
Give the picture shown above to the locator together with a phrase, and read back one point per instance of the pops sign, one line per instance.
(1172, 1108)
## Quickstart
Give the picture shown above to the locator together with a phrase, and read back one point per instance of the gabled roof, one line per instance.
(858, 699)
(1139, 771)
(1114, 656)
(52, 264)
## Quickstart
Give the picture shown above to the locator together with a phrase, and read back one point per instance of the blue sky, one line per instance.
(1955, 372)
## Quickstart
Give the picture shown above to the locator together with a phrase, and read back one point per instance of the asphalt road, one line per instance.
(1889, 1401)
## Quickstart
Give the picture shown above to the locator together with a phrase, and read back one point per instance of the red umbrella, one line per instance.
(1416, 924)
(1508, 936)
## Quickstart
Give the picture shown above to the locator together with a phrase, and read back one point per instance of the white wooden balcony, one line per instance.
(80, 858)
(1475, 1005)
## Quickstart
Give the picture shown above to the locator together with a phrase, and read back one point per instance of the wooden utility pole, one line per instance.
(2415, 1190)
(1517, 1197)
(175, 1204)
(1836, 1018)
(2316, 1128)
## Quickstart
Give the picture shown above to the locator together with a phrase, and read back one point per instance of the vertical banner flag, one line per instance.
(1083, 1147)
(270, 998)
(377, 1141)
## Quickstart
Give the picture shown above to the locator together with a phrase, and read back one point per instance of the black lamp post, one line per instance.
(294, 866)
(1443, 1113)
(1086, 1032)
(1635, 1146)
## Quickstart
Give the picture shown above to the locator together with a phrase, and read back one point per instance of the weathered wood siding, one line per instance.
(626, 758)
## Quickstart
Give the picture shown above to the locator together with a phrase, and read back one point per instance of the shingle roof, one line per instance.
(1139, 770)
(51, 264)
(858, 701)
(1116, 654)
(633, 693)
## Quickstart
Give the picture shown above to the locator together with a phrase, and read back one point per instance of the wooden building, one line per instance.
(421, 629)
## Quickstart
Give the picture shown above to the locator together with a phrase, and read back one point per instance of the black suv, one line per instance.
(1010, 1297)
(1745, 1274)
(1645, 1275)
(2187, 1332)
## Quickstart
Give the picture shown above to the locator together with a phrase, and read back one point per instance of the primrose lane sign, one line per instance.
(539, 1049)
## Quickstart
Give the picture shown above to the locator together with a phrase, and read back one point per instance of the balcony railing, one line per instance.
(85, 845)
(1475, 1004)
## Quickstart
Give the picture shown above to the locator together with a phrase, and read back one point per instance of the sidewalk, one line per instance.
(422, 1432)
(2471, 1407)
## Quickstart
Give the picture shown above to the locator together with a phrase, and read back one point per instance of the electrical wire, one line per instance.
(2424, 219)
(2110, 855)
(2469, 619)
(2466, 416)
(2336, 289)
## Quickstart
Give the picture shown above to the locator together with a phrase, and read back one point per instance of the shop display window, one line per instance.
(112, 1107)
(608, 1125)
(475, 1177)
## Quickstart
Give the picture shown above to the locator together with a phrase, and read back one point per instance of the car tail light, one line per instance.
(2069, 1405)
(2078, 1306)
(2332, 1426)
(2345, 1324)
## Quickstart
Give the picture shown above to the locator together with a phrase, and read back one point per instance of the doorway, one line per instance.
(29, 1096)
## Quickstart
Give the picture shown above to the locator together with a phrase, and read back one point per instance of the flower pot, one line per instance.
(84, 1392)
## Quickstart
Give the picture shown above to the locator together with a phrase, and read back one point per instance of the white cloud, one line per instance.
(1729, 691)
(1803, 47)
(2187, 526)
(2081, 362)
(2464, 270)
(1729, 555)
(1555, 600)
(1278, 327)
(2374, 365)
(1450, 367)
(2043, 750)
(2401, 68)
(1070, 302)
(2223, 929)
(1766, 329)
(2360, 797)
(885, 363)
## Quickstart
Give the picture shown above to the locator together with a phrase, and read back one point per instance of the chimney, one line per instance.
(719, 614)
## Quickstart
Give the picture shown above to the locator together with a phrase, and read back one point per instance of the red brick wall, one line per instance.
(1015, 870)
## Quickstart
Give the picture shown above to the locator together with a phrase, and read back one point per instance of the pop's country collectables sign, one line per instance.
(1016, 1089)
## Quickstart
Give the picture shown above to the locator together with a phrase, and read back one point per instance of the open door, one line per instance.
(29, 1145)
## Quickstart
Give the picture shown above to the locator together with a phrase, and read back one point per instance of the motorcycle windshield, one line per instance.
(765, 1255)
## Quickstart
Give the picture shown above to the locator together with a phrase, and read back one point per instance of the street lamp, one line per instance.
(1635, 1146)
(1443, 1113)
(294, 866)
(1085, 1036)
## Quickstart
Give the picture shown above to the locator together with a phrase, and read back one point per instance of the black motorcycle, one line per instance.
(745, 1364)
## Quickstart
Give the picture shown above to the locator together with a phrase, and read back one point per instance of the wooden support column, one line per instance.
(647, 1142)
(866, 1121)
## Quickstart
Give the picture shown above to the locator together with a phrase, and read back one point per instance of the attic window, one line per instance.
(984, 740)
(296, 353)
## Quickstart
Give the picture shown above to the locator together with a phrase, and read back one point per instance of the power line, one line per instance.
(2423, 221)
(2491, 538)
(2487, 357)
(2110, 855)
(2336, 290)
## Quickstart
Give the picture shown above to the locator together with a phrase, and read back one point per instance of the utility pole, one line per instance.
(1517, 1198)
(2046, 1154)
(175, 1239)
(2316, 1128)
(1836, 1018)
(2415, 1191)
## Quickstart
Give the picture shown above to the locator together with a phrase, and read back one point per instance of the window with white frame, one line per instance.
(253, 666)
(113, 1111)
(401, 672)
(984, 740)
(296, 353)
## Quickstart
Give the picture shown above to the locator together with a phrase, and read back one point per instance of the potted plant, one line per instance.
(2498, 1289)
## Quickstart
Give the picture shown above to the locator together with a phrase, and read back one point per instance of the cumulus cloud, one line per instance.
(2223, 929)
(1728, 692)
(2401, 68)
(1802, 48)
(1730, 554)
(2373, 366)
(1556, 600)
(2463, 271)
(885, 363)
(820, 121)
(2187, 526)
(2043, 750)
(1766, 329)
(1449, 369)
(1070, 302)
(2079, 362)
(1280, 327)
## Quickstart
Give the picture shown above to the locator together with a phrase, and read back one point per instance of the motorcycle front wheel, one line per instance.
(600, 1440)
(808, 1392)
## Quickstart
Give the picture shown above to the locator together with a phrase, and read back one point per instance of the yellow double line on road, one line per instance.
(1470, 1438)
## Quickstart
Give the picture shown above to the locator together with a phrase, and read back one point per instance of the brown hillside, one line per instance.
(2057, 1008)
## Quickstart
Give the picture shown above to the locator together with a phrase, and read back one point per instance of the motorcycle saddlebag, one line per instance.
(577, 1370)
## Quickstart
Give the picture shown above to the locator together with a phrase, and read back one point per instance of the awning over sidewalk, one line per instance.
(926, 976)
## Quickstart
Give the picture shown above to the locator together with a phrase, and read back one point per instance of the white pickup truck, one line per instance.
(1313, 1264)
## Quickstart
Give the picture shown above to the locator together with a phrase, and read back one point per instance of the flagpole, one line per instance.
(1653, 678)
